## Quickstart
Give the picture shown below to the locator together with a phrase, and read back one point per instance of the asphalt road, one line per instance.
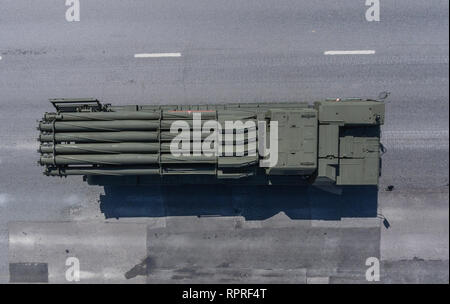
(231, 51)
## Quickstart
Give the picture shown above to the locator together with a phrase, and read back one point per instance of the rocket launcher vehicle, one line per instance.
(334, 141)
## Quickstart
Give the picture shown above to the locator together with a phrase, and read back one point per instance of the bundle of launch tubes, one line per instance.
(127, 142)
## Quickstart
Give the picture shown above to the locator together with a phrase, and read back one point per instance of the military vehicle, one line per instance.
(334, 141)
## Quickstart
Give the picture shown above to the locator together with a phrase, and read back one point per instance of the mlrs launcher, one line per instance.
(335, 141)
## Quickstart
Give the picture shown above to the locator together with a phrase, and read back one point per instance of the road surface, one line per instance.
(226, 51)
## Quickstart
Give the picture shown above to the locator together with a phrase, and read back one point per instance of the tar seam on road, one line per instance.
(157, 55)
(355, 52)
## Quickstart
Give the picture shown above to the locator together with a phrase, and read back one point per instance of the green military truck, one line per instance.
(335, 141)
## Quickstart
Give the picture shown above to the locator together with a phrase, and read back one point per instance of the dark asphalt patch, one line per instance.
(28, 273)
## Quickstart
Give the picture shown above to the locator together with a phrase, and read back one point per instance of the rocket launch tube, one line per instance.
(148, 115)
(116, 148)
(91, 137)
(143, 159)
(103, 148)
(124, 171)
(113, 171)
(117, 125)
(117, 137)
(96, 126)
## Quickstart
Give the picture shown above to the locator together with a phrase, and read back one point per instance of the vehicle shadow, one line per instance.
(251, 202)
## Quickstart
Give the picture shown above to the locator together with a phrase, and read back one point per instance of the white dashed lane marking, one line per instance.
(355, 52)
(157, 55)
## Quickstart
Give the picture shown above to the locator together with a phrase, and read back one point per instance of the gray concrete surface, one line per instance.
(232, 51)
(112, 248)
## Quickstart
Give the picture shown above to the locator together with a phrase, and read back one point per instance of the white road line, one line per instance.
(157, 55)
(355, 52)
(0, 57)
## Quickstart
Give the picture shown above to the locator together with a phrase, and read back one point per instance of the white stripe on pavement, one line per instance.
(355, 52)
(157, 55)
